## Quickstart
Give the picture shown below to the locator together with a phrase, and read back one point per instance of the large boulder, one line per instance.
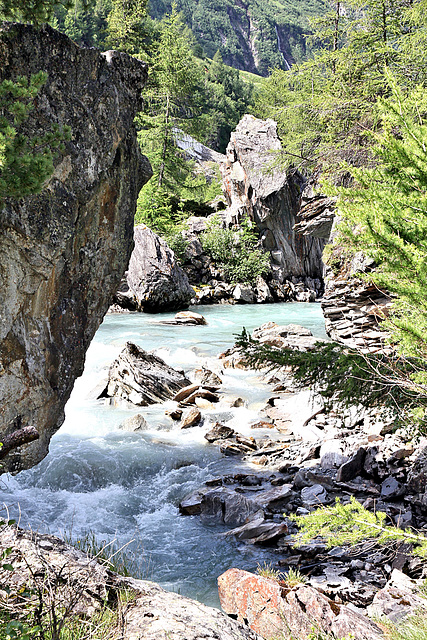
(142, 378)
(154, 281)
(273, 609)
(254, 186)
(64, 251)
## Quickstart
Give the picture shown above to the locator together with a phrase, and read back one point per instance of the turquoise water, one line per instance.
(127, 487)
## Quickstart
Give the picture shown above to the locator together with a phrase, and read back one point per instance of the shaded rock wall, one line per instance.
(63, 252)
(270, 197)
(353, 307)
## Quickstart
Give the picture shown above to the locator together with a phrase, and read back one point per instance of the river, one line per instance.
(121, 487)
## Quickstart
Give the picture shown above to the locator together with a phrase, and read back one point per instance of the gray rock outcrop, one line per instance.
(154, 281)
(80, 584)
(270, 197)
(64, 251)
(143, 378)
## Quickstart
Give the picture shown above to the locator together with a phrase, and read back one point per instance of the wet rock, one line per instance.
(190, 317)
(391, 488)
(314, 496)
(244, 294)
(175, 414)
(226, 506)
(259, 531)
(263, 293)
(275, 498)
(208, 379)
(186, 392)
(202, 393)
(262, 424)
(134, 423)
(233, 448)
(219, 432)
(143, 378)
(190, 418)
(272, 609)
(191, 505)
(64, 250)
(352, 467)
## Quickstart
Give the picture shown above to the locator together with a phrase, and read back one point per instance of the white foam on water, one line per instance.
(126, 486)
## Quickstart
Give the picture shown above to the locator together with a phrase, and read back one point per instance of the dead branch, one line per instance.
(17, 438)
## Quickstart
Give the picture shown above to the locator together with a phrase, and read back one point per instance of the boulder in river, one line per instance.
(190, 418)
(154, 281)
(143, 378)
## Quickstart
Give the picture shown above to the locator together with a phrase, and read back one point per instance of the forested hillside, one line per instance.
(253, 35)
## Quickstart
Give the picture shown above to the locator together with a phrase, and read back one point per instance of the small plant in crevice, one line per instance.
(293, 578)
(266, 570)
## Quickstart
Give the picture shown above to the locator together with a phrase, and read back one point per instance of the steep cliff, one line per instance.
(63, 252)
(271, 197)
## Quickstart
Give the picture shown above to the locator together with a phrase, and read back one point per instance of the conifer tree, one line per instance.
(36, 11)
(25, 162)
(385, 215)
(127, 26)
(169, 108)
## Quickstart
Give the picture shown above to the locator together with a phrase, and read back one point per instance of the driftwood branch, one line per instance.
(16, 439)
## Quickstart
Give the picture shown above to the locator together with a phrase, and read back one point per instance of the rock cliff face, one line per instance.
(353, 307)
(63, 252)
(270, 197)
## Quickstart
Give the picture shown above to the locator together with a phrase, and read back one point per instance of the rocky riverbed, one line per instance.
(310, 458)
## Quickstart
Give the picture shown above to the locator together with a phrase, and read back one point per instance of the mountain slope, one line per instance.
(252, 35)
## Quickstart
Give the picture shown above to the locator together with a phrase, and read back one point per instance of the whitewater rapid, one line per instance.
(100, 480)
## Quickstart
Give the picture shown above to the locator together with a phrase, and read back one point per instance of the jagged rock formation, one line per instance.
(63, 252)
(270, 197)
(154, 281)
(353, 308)
(69, 579)
(142, 378)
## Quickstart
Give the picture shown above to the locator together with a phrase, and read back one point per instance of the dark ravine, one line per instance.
(63, 252)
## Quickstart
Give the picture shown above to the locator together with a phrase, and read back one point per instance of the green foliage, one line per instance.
(36, 11)
(218, 25)
(25, 163)
(294, 577)
(413, 627)
(178, 243)
(266, 571)
(385, 216)
(325, 105)
(352, 523)
(345, 377)
(127, 26)
(85, 24)
(236, 253)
